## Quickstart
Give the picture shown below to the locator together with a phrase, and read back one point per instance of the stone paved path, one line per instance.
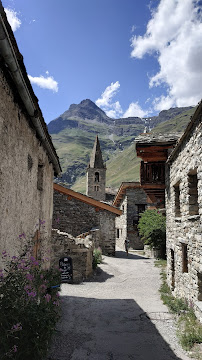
(116, 316)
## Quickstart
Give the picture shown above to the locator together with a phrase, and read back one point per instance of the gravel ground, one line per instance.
(117, 315)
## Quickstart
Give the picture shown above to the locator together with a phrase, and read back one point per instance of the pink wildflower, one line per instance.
(47, 297)
(17, 327)
(27, 287)
(22, 236)
(15, 348)
(29, 277)
(31, 294)
(43, 288)
(56, 303)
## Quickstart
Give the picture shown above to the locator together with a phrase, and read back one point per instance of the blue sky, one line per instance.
(131, 57)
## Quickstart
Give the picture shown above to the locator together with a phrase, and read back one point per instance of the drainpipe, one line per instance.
(8, 53)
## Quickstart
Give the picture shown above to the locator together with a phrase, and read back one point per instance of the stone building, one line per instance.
(75, 213)
(96, 174)
(132, 200)
(80, 249)
(154, 150)
(184, 214)
(28, 158)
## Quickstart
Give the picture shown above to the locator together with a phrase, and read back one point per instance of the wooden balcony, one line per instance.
(152, 173)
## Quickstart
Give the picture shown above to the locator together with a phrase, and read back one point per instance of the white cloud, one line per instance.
(112, 109)
(134, 110)
(108, 94)
(174, 33)
(13, 20)
(44, 83)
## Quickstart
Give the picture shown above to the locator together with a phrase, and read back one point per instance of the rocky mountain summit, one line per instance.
(73, 134)
(87, 111)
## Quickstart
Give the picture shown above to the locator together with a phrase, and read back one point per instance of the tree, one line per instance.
(152, 229)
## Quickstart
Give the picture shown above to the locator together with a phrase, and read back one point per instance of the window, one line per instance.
(172, 255)
(96, 188)
(184, 259)
(123, 208)
(117, 233)
(199, 286)
(177, 199)
(40, 177)
(97, 177)
(29, 162)
(193, 194)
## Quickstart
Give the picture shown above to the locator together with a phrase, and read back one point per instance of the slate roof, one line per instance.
(122, 190)
(150, 138)
(86, 199)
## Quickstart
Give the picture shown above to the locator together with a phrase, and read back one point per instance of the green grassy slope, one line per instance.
(122, 166)
(74, 147)
(177, 124)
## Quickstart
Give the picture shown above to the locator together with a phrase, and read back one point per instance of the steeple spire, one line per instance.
(96, 160)
(96, 174)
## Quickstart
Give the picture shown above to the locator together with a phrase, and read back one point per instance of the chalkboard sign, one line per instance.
(65, 264)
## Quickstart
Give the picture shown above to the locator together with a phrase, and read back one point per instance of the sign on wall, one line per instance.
(65, 264)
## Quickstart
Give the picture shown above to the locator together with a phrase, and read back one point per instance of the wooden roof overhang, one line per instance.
(155, 189)
(86, 199)
(122, 190)
(153, 152)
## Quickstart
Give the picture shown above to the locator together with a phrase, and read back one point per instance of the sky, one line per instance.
(131, 57)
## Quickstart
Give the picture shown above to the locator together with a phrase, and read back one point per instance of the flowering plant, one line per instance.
(29, 307)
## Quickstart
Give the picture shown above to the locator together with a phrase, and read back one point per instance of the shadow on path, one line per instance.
(122, 255)
(107, 329)
(99, 276)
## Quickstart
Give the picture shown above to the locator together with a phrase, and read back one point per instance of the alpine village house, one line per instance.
(28, 158)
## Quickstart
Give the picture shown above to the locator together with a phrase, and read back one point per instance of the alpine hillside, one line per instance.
(73, 134)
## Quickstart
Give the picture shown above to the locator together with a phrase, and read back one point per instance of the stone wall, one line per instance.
(96, 189)
(79, 249)
(127, 222)
(75, 217)
(22, 204)
(184, 240)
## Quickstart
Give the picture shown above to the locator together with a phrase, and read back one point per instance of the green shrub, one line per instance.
(152, 229)
(97, 257)
(29, 307)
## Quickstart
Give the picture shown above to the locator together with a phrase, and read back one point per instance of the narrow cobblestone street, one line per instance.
(118, 315)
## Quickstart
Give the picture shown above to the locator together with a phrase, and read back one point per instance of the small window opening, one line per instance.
(184, 259)
(177, 200)
(96, 188)
(193, 194)
(117, 233)
(123, 208)
(97, 177)
(29, 162)
(199, 286)
(172, 268)
(40, 177)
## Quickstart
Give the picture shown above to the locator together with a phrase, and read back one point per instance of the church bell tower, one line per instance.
(96, 174)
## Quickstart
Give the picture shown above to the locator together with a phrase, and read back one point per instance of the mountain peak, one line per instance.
(86, 109)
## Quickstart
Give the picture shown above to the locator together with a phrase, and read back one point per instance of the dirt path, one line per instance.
(116, 316)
